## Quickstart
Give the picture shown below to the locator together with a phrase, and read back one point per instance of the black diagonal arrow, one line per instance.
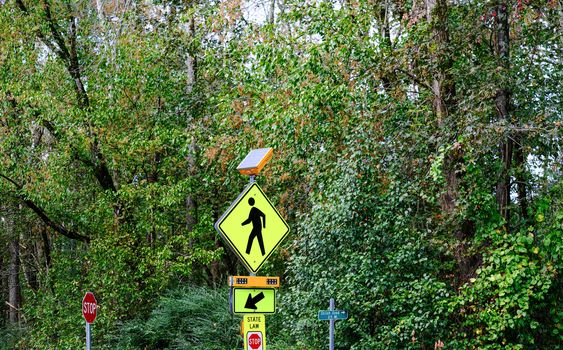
(251, 302)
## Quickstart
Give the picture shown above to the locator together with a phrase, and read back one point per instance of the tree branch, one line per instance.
(40, 35)
(70, 59)
(99, 168)
(55, 32)
(415, 79)
(41, 213)
(58, 228)
(17, 185)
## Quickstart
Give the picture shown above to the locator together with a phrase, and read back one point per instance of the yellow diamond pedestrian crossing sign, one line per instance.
(252, 227)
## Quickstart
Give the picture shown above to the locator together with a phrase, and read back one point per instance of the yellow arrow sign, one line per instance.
(254, 300)
(252, 227)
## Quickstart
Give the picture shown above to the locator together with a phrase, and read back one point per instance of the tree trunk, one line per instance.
(29, 265)
(191, 59)
(13, 302)
(14, 288)
(191, 68)
(100, 12)
(271, 12)
(46, 247)
(443, 87)
(443, 92)
(384, 31)
(435, 11)
(444, 105)
(3, 290)
(560, 13)
(502, 102)
(520, 175)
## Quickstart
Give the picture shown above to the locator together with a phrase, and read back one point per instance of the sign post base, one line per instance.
(87, 336)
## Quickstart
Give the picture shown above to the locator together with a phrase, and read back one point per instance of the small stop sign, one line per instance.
(89, 306)
(255, 340)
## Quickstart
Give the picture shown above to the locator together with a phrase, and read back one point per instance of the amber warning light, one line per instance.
(254, 281)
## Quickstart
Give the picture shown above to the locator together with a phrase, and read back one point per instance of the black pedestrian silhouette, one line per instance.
(258, 220)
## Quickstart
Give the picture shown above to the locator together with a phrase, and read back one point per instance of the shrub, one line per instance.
(186, 318)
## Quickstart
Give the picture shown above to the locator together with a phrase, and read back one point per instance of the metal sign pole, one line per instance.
(331, 327)
(252, 180)
(87, 336)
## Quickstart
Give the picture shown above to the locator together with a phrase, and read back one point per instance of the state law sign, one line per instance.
(89, 307)
(255, 340)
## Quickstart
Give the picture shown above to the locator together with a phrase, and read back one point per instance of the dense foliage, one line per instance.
(417, 160)
(197, 318)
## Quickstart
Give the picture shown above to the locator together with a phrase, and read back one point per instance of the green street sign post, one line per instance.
(327, 315)
(332, 315)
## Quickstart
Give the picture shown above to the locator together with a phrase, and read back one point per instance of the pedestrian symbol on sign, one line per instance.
(258, 220)
(244, 223)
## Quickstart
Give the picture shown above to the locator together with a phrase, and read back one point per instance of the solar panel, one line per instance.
(255, 161)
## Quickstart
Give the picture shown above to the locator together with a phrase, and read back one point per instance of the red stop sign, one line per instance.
(255, 340)
(89, 306)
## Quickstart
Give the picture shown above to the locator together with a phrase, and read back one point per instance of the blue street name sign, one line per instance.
(327, 315)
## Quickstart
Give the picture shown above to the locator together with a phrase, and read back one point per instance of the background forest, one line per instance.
(417, 158)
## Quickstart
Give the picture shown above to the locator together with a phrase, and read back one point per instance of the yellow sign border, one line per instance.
(228, 240)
